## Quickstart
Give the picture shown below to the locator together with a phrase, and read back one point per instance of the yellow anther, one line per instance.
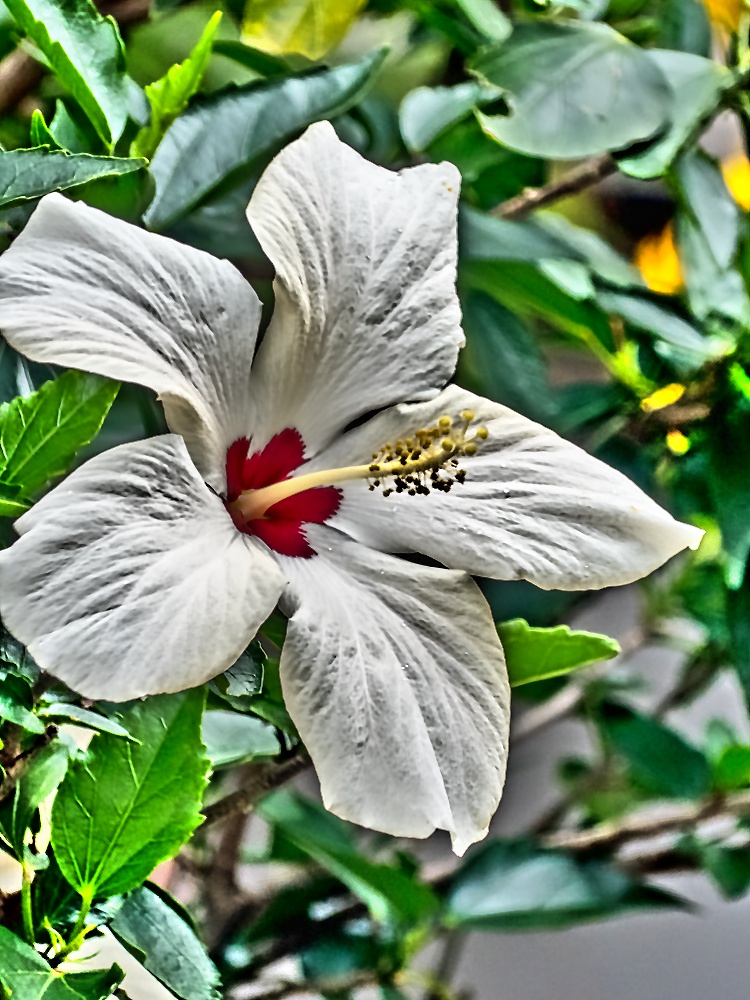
(447, 445)
(444, 423)
(482, 433)
(467, 415)
(470, 449)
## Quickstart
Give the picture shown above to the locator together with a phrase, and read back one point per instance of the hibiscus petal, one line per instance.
(130, 579)
(395, 678)
(81, 289)
(366, 307)
(533, 507)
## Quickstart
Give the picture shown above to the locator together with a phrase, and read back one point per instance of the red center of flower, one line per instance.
(281, 526)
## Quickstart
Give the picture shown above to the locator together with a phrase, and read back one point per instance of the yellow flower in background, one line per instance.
(301, 27)
(726, 13)
(656, 258)
(736, 173)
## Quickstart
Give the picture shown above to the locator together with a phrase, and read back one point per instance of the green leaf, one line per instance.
(224, 134)
(24, 975)
(254, 59)
(659, 759)
(146, 925)
(574, 89)
(26, 174)
(685, 26)
(732, 769)
(697, 86)
(41, 434)
(485, 237)
(16, 703)
(729, 867)
(85, 51)
(67, 712)
(231, 738)
(729, 484)
(426, 112)
(708, 223)
(98, 984)
(535, 654)
(39, 778)
(673, 338)
(487, 18)
(305, 27)
(127, 807)
(169, 96)
(501, 359)
(515, 885)
(40, 133)
(387, 892)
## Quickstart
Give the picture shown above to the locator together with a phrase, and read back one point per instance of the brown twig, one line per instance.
(259, 780)
(648, 823)
(585, 175)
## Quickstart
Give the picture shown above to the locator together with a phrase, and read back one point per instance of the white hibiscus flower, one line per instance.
(152, 566)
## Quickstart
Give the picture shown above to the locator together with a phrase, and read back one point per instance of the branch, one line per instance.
(585, 175)
(260, 779)
(650, 824)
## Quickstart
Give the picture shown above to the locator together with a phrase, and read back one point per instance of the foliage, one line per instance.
(169, 124)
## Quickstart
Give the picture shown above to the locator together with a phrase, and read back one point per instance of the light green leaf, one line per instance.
(697, 86)
(574, 89)
(26, 174)
(516, 885)
(61, 711)
(388, 892)
(146, 925)
(39, 132)
(225, 133)
(426, 112)
(231, 737)
(305, 27)
(487, 18)
(85, 51)
(40, 434)
(97, 984)
(732, 769)
(127, 807)
(24, 975)
(535, 654)
(169, 96)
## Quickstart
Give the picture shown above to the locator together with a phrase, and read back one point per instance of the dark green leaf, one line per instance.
(535, 654)
(697, 86)
(26, 174)
(221, 134)
(708, 230)
(173, 954)
(254, 59)
(16, 703)
(501, 359)
(485, 237)
(659, 759)
(729, 483)
(684, 25)
(97, 984)
(85, 51)
(388, 892)
(574, 89)
(729, 867)
(126, 807)
(515, 885)
(40, 434)
(39, 778)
